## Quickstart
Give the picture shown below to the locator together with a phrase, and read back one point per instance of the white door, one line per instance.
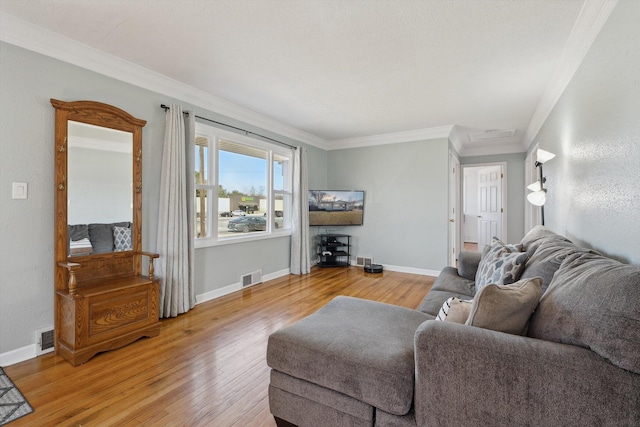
(489, 205)
(454, 188)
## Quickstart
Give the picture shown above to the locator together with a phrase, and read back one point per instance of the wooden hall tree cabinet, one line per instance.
(102, 298)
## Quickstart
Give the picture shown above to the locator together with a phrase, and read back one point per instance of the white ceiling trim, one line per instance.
(28, 36)
(489, 150)
(585, 30)
(390, 138)
(459, 138)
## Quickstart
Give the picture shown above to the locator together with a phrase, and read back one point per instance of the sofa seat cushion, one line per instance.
(592, 302)
(357, 347)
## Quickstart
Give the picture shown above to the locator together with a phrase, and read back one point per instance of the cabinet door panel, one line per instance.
(118, 314)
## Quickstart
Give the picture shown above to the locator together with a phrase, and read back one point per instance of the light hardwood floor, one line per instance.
(470, 246)
(207, 367)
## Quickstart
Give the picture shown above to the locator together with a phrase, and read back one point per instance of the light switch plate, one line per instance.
(19, 190)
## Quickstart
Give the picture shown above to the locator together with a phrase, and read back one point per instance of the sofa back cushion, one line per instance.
(592, 302)
(537, 235)
(547, 258)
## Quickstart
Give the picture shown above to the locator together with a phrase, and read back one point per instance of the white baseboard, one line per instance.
(220, 292)
(18, 355)
(420, 271)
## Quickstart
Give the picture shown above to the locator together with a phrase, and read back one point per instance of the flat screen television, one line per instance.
(336, 207)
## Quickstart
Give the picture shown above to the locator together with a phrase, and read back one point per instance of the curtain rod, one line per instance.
(247, 132)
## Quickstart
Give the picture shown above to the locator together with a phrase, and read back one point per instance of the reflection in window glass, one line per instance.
(242, 179)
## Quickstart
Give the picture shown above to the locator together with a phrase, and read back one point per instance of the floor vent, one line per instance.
(44, 339)
(361, 261)
(251, 278)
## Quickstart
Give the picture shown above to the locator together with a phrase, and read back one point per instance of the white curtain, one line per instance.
(300, 260)
(175, 216)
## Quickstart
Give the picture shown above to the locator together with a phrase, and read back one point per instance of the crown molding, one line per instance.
(460, 141)
(588, 25)
(490, 150)
(390, 138)
(31, 37)
(456, 139)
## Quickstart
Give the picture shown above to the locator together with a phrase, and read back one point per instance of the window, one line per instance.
(242, 187)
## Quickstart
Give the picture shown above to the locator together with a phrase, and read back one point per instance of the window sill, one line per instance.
(242, 238)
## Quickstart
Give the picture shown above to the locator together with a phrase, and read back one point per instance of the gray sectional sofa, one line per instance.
(577, 363)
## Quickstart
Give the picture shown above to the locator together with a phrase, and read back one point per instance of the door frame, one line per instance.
(453, 209)
(504, 200)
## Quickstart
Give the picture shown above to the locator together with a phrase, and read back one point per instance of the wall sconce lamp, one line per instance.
(538, 197)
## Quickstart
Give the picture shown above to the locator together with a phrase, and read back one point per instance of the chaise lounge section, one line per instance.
(576, 361)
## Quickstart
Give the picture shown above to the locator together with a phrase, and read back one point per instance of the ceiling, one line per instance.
(343, 72)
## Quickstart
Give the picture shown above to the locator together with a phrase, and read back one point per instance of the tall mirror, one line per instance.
(100, 189)
(103, 300)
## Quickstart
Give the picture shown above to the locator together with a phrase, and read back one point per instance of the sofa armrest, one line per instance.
(471, 376)
(468, 263)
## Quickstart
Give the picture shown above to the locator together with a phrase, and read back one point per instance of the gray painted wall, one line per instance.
(28, 80)
(594, 181)
(405, 217)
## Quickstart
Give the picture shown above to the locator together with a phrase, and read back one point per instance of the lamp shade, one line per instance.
(544, 156)
(536, 186)
(537, 198)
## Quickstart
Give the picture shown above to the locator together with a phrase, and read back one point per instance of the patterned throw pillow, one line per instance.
(121, 239)
(444, 310)
(502, 265)
(497, 246)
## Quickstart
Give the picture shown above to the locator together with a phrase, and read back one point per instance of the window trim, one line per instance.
(214, 135)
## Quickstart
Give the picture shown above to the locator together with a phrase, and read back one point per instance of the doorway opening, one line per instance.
(484, 201)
